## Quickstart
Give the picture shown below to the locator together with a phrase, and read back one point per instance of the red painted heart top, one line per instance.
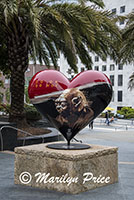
(49, 81)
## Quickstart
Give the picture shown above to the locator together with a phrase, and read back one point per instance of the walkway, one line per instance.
(123, 190)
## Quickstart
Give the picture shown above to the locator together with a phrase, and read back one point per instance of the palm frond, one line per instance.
(99, 3)
(51, 26)
(126, 52)
(9, 8)
(53, 53)
(131, 82)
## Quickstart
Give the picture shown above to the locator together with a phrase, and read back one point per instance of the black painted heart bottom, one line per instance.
(73, 109)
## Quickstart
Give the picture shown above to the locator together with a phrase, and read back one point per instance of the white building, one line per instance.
(118, 74)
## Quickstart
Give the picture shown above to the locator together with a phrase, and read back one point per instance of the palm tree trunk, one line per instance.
(18, 63)
(17, 113)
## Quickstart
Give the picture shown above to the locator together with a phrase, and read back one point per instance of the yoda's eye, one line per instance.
(57, 103)
(76, 101)
(63, 104)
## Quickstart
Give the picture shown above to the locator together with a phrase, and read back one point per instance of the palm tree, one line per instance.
(42, 29)
(127, 46)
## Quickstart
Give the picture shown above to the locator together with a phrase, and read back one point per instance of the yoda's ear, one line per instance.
(80, 108)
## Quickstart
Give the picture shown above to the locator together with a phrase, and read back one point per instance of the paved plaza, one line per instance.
(120, 134)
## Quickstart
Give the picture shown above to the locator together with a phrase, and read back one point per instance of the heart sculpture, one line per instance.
(70, 105)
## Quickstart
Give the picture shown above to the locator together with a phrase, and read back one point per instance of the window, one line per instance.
(96, 59)
(96, 68)
(104, 67)
(122, 22)
(120, 66)
(113, 11)
(120, 96)
(112, 67)
(28, 70)
(112, 79)
(69, 71)
(6, 81)
(119, 107)
(82, 69)
(112, 97)
(122, 9)
(120, 80)
(111, 58)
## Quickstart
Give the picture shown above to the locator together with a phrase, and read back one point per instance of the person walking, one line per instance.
(107, 118)
(91, 124)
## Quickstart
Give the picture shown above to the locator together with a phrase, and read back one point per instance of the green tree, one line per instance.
(42, 29)
(7, 93)
(3, 54)
(27, 100)
(127, 46)
(127, 52)
(1, 87)
(127, 112)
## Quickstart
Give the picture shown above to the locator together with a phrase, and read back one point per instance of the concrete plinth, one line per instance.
(70, 171)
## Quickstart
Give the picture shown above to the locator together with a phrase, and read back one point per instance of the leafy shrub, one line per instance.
(27, 100)
(32, 113)
(102, 115)
(5, 108)
(127, 112)
(129, 115)
(7, 93)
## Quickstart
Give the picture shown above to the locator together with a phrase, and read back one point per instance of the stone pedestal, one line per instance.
(70, 171)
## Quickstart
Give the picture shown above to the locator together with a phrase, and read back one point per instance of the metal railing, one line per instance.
(17, 129)
(125, 126)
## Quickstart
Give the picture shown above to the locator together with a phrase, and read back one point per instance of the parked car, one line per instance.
(119, 116)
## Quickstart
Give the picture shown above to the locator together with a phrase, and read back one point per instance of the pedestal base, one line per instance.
(72, 171)
(72, 146)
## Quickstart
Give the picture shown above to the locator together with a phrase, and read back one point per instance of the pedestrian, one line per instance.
(91, 124)
(112, 119)
(107, 118)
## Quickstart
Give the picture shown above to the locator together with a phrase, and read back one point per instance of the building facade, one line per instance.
(119, 74)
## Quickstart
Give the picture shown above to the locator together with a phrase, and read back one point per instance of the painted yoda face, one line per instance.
(72, 100)
(72, 106)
